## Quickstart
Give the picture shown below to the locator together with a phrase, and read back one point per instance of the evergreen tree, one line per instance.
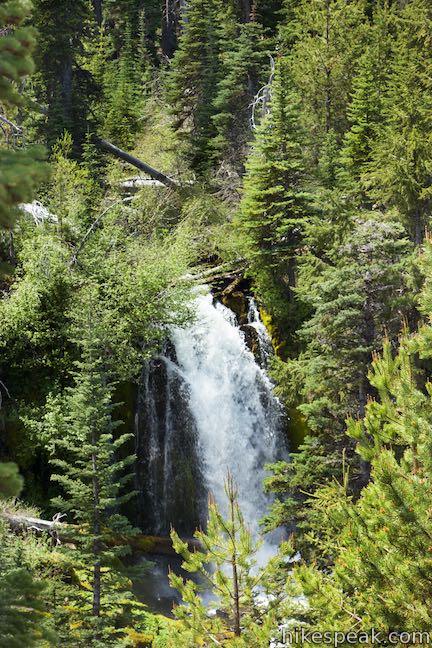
(366, 107)
(20, 170)
(399, 175)
(64, 84)
(124, 94)
(329, 37)
(357, 301)
(382, 556)
(276, 205)
(245, 70)
(92, 477)
(193, 78)
(229, 548)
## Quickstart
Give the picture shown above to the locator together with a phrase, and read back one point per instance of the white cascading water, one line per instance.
(205, 406)
(238, 419)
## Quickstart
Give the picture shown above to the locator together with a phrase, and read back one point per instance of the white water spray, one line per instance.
(237, 417)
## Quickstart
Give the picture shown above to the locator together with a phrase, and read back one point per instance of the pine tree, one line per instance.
(276, 205)
(366, 107)
(399, 175)
(193, 78)
(382, 556)
(124, 94)
(93, 477)
(228, 546)
(20, 170)
(245, 70)
(328, 40)
(64, 83)
(356, 302)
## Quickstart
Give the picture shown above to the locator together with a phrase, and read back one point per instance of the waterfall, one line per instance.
(206, 405)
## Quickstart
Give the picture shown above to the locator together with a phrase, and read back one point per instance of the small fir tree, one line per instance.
(227, 566)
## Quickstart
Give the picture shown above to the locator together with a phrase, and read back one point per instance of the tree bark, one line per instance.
(236, 593)
(96, 533)
(169, 28)
(97, 6)
(418, 227)
(139, 164)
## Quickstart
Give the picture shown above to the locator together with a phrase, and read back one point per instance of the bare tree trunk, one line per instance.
(97, 6)
(169, 28)
(139, 164)
(96, 532)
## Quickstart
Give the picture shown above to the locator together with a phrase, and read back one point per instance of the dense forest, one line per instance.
(278, 149)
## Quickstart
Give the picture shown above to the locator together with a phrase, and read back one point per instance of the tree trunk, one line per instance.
(418, 227)
(139, 164)
(169, 28)
(96, 530)
(237, 630)
(246, 10)
(67, 88)
(236, 593)
(97, 6)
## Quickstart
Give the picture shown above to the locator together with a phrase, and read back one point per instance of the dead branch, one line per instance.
(262, 98)
(14, 127)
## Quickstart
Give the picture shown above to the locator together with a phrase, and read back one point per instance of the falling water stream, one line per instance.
(206, 405)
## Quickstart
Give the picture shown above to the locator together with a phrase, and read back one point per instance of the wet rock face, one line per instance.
(236, 301)
(252, 340)
(234, 297)
(169, 479)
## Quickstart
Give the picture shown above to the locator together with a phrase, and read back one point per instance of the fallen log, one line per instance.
(155, 545)
(136, 162)
(225, 270)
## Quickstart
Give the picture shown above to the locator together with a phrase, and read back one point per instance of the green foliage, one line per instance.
(23, 610)
(276, 204)
(329, 37)
(400, 169)
(193, 78)
(94, 481)
(227, 567)
(123, 94)
(63, 84)
(11, 482)
(382, 549)
(366, 107)
(245, 70)
(336, 173)
(20, 171)
(357, 301)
